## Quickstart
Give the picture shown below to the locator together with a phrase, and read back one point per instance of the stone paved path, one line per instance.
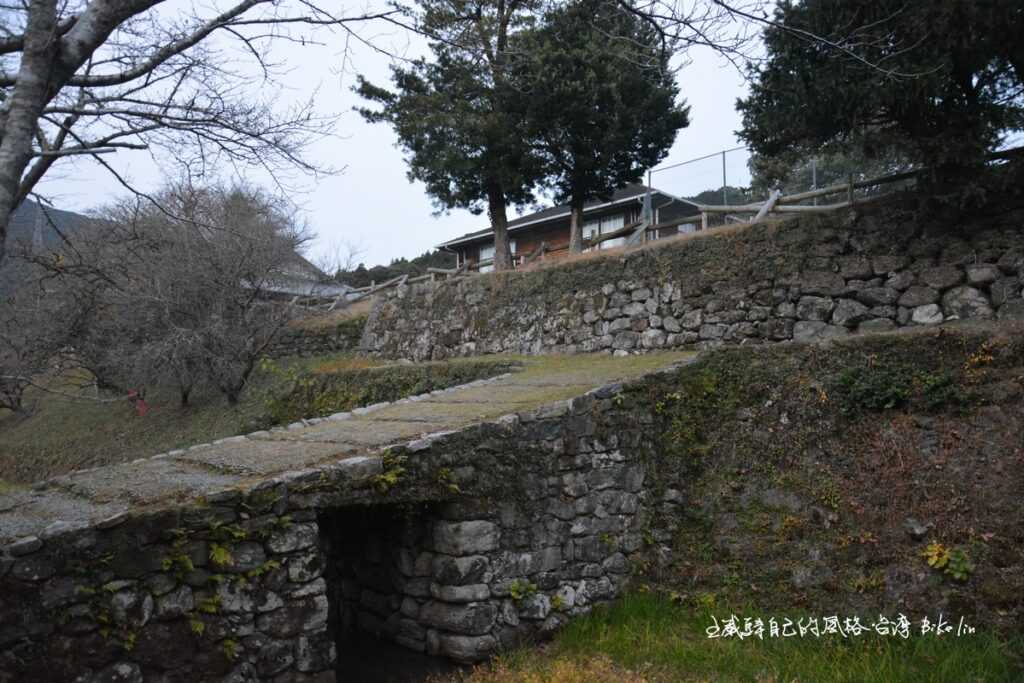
(106, 493)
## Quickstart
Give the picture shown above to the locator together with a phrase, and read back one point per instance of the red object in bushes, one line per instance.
(140, 403)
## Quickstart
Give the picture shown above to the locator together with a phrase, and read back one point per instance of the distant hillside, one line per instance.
(361, 276)
(39, 227)
(734, 195)
(35, 229)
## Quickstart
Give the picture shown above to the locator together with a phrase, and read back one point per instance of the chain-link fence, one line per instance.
(719, 178)
(728, 179)
(722, 179)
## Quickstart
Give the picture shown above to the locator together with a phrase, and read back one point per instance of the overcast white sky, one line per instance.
(371, 205)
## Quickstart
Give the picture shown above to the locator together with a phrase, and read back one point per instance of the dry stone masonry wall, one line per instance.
(229, 589)
(456, 544)
(557, 507)
(803, 279)
(310, 340)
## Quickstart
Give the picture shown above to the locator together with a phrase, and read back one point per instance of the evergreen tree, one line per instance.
(454, 114)
(735, 195)
(948, 88)
(362, 276)
(598, 99)
(828, 166)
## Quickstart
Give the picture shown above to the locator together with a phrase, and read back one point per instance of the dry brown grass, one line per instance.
(617, 252)
(322, 321)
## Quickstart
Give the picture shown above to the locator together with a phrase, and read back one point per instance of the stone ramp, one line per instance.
(103, 496)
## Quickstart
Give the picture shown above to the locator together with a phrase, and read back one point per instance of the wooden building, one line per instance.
(550, 227)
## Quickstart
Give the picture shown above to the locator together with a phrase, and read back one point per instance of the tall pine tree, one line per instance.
(455, 114)
(599, 101)
(939, 82)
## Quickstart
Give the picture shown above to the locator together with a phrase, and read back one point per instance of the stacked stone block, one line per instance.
(230, 588)
(305, 341)
(511, 558)
(489, 536)
(801, 280)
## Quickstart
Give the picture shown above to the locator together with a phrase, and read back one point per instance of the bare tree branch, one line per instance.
(88, 78)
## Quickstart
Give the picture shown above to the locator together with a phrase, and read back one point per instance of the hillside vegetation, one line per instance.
(875, 475)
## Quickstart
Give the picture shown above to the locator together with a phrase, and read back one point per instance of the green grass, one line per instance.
(604, 365)
(648, 635)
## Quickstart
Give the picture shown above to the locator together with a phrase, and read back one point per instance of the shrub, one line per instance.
(885, 387)
(874, 387)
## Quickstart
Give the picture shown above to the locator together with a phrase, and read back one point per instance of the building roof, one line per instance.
(298, 266)
(629, 193)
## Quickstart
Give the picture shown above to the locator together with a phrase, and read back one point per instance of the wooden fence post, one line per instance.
(768, 205)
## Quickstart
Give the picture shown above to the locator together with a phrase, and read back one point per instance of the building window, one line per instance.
(603, 226)
(487, 254)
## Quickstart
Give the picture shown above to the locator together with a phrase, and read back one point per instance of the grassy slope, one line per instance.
(842, 430)
(801, 467)
(62, 435)
(647, 637)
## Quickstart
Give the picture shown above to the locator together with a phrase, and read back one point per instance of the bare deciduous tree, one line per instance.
(732, 29)
(729, 28)
(338, 257)
(89, 78)
(184, 303)
(38, 322)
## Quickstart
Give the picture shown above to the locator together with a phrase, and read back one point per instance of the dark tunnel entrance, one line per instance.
(378, 572)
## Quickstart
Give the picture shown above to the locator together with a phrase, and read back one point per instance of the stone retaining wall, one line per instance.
(465, 542)
(307, 341)
(228, 589)
(808, 278)
(555, 508)
(455, 545)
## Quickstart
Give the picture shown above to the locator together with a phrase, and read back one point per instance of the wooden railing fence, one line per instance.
(638, 232)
